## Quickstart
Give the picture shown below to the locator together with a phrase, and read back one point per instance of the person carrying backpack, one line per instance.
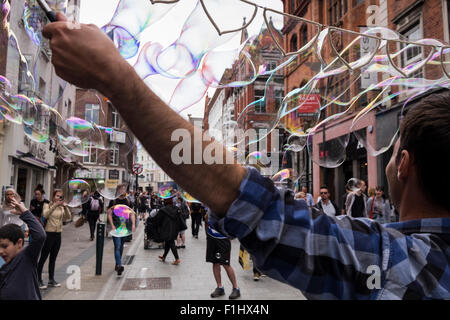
(170, 222)
(93, 208)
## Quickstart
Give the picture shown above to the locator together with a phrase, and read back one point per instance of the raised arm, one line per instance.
(87, 58)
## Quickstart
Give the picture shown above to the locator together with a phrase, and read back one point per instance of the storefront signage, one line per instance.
(114, 174)
(38, 150)
(118, 136)
(92, 174)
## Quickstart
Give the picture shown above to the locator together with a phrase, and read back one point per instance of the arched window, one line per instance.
(294, 43)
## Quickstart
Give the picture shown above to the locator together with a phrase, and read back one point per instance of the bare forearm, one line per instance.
(153, 123)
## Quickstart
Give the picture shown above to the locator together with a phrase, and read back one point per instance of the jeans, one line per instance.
(51, 247)
(118, 249)
(196, 222)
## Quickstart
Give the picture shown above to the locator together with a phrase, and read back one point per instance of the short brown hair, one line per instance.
(425, 133)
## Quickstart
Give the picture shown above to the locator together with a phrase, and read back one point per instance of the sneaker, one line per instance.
(42, 286)
(53, 283)
(218, 292)
(162, 258)
(236, 293)
(256, 277)
(183, 246)
(120, 270)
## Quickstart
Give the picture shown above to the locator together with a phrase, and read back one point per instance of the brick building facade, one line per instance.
(413, 19)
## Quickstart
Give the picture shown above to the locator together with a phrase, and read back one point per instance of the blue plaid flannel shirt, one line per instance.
(338, 257)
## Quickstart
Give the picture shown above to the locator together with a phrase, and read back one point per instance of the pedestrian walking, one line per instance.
(356, 202)
(115, 223)
(379, 207)
(142, 205)
(326, 205)
(181, 239)
(196, 217)
(169, 221)
(55, 213)
(218, 252)
(93, 208)
(412, 256)
(18, 276)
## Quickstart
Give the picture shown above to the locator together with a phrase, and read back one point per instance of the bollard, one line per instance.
(99, 250)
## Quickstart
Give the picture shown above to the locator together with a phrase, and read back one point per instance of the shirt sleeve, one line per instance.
(325, 257)
(37, 233)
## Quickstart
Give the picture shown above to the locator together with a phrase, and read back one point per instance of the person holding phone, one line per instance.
(54, 213)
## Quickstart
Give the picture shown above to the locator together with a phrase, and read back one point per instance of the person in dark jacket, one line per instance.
(325, 204)
(18, 276)
(169, 221)
(92, 209)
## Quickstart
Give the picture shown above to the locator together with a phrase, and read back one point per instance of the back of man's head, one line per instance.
(11, 232)
(425, 134)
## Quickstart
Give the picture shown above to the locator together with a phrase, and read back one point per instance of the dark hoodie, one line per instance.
(18, 278)
(168, 221)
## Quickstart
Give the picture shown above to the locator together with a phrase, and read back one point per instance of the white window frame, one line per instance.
(115, 149)
(115, 119)
(90, 149)
(446, 19)
(91, 109)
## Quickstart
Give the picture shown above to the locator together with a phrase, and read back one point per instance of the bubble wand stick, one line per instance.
(51, 15)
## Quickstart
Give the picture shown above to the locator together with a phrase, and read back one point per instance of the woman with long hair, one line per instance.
(54, 213)
(378, 207)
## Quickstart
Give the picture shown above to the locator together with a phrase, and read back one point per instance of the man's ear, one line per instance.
(404, 164)
(20, 243)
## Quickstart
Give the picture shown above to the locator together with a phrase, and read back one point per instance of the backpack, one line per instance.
(95, 205)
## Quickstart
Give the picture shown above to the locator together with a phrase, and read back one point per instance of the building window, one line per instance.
(292, 6)
(414, 53)
(279, 94)
(304, 36)
(294, 46)
(92, 113)
(42, 89)
(25, 81)
(336, 10)
(115, 154)
(261, 106)
(69, 108)
(92, 154)
(115, 119)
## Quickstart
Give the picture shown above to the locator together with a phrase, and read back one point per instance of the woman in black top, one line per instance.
(37, 204)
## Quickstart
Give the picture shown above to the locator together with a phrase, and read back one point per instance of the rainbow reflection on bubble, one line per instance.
(76, 192)
(282, 175)
(122, 215)
(166, 191)
(79, 124)
(188, 198)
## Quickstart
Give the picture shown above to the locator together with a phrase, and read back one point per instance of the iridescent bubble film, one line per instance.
(122, 217)
(76, 192)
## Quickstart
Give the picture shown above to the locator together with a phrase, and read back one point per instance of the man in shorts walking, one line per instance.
(218, 252)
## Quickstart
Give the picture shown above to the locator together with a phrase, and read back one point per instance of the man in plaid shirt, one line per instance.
(325, 257)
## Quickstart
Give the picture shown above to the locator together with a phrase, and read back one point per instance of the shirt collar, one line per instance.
(432, 225)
